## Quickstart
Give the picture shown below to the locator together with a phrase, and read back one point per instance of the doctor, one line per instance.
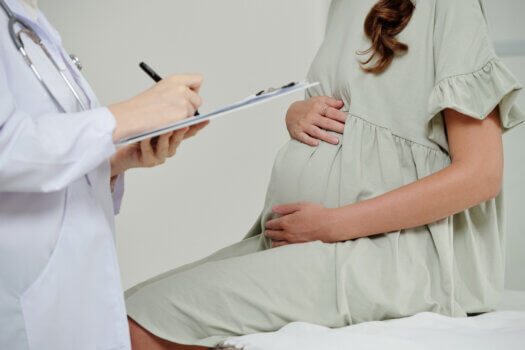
(59, 280)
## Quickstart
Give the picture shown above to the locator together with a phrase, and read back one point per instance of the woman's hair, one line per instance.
(382, 25)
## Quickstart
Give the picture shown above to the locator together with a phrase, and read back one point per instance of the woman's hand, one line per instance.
(301, 223)
(306, 120)
(149, 153)
(169, 101)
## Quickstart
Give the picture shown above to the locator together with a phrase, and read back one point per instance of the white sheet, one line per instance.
(495, 330)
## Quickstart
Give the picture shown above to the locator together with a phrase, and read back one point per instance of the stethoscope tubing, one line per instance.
(26, 29)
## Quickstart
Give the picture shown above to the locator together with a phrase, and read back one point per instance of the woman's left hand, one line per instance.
(147, 154)
(301, 223)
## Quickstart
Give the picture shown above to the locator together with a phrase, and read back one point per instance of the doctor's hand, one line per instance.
(172, 99)
(301, 223)
(308, 121)
(151, 152)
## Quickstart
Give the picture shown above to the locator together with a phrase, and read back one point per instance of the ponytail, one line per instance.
(383, 23)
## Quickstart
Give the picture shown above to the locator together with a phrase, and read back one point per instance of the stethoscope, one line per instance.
(26, 29)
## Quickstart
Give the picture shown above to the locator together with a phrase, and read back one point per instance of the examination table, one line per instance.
(501, 329)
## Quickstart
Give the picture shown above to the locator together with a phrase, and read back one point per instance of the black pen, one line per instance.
(153, 75)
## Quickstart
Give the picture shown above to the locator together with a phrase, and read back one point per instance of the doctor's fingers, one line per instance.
(194, 99)
(176, 140)
(148, 153)
(194, 129)
(193, 81)
(163, 148)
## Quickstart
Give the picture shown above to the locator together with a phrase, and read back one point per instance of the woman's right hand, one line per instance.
(172, 99)
(308, 121)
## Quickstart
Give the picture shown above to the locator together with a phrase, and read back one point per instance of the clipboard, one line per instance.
(253, 100)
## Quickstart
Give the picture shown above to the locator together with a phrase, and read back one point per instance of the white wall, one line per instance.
(505, 19)
(209, 195)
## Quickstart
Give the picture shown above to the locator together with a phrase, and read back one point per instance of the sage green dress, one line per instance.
(394, 135)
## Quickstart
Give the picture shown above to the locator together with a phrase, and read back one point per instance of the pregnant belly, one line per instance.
(302, 173)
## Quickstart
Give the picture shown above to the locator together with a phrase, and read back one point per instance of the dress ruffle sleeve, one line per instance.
(469, 77)
(476, 94)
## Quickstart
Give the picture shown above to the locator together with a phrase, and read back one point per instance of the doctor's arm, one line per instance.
(475, 176)
(47, 152)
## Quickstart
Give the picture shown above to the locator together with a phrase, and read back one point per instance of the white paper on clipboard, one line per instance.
(246, 103)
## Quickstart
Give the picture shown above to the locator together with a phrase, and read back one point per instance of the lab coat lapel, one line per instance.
(48, 33)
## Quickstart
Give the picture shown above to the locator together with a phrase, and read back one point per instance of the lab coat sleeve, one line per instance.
(46, 153)
(118, 193)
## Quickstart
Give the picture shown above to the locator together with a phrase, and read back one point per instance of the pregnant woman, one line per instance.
(391, 185)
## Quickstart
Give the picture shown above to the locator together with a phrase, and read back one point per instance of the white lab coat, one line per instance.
(59, 279)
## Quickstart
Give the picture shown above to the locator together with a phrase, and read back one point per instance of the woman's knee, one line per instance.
(141, 339)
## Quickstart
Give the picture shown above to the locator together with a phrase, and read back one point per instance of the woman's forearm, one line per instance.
(444, 193)
(474, 177)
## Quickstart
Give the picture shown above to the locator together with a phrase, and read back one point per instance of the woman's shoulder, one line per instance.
(463, 9)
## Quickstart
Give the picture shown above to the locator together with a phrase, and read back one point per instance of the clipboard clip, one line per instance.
(270, 90)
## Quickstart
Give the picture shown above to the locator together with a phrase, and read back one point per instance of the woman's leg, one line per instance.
(258, 292)
(141, 339)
